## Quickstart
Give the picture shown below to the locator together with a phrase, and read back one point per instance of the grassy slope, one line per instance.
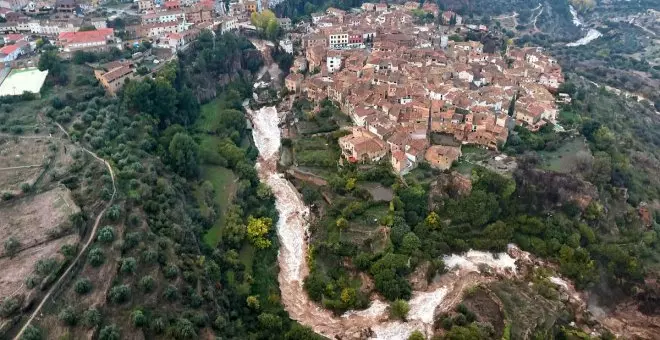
(223, 179)
(564, 158)
(224, 183)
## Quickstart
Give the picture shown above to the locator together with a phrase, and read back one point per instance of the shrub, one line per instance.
(138, 318)
(68, 250)
(32, 281)
(158, 325)
(110, 332)
(6, 196)
(45, 267)
(416, 335)
(128, 265)
(147, 283)
(32, 333)
(114, 212)
(171, 293)
(184, 329)
(171, 272)
(68, 316)
(120, 294)
(149, 256)
(96, 257)
(11, 246)
(460, 320)
(131, 240)
(83, 286)
(9, 306)
(26, 187)
(399, 309)
(106, 234)
(91, 317)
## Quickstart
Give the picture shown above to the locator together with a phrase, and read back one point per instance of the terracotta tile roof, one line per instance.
(86, 36)
(9, 49)
(117, 73)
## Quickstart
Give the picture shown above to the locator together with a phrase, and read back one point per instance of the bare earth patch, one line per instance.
(28, 153)
(32, 220)
(13, 271)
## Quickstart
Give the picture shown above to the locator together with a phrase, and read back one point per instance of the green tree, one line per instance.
(96, 257)
(171, 293)
(110, 332)
(120, 294)
(253, 302)
(9, 306)
(147, 283)
(266, 23)
(128, 265)
(32, 333)
(91, 318)
(399, 309)
(12, 245)
(342, 223)
(392, 285)
(184, 154)
(270, 321)
(138, 318)
(348, 297)
(106, 234)
(298, 332)
(68, 316)
(410, 243)
(417, 335)
(86, 28)
(155, 97)
(273, 30)
(184, 329)
(83, 286)
(49, 60)
(471, 332)
(257, 231)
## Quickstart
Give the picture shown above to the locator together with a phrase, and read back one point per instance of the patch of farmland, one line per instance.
(22, 160)
(34, 219)
(14, 270)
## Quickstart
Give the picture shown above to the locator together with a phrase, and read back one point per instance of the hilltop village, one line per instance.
(400, 79)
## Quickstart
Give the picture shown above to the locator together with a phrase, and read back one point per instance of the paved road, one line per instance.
(84, 248)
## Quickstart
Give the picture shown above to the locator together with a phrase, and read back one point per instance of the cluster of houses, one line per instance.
(73, 25)
(410, 80)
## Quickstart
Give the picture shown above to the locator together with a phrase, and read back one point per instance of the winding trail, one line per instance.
(84, 248)
(536, 17)
(22, 167)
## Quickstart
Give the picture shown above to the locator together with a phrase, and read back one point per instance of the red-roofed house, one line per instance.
(115, 77)
(10, 52)
(172, 4)
(88, 40)
(15, 37)
(399, 161)
(175, 40)
(362, 146)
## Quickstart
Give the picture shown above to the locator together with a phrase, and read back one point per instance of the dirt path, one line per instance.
(537, 16)
(22, 167)
(90, 239)
(27, 137)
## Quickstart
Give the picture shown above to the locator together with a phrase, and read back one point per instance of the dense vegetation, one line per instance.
(153, 137)
(585, 220)
(298, 9)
